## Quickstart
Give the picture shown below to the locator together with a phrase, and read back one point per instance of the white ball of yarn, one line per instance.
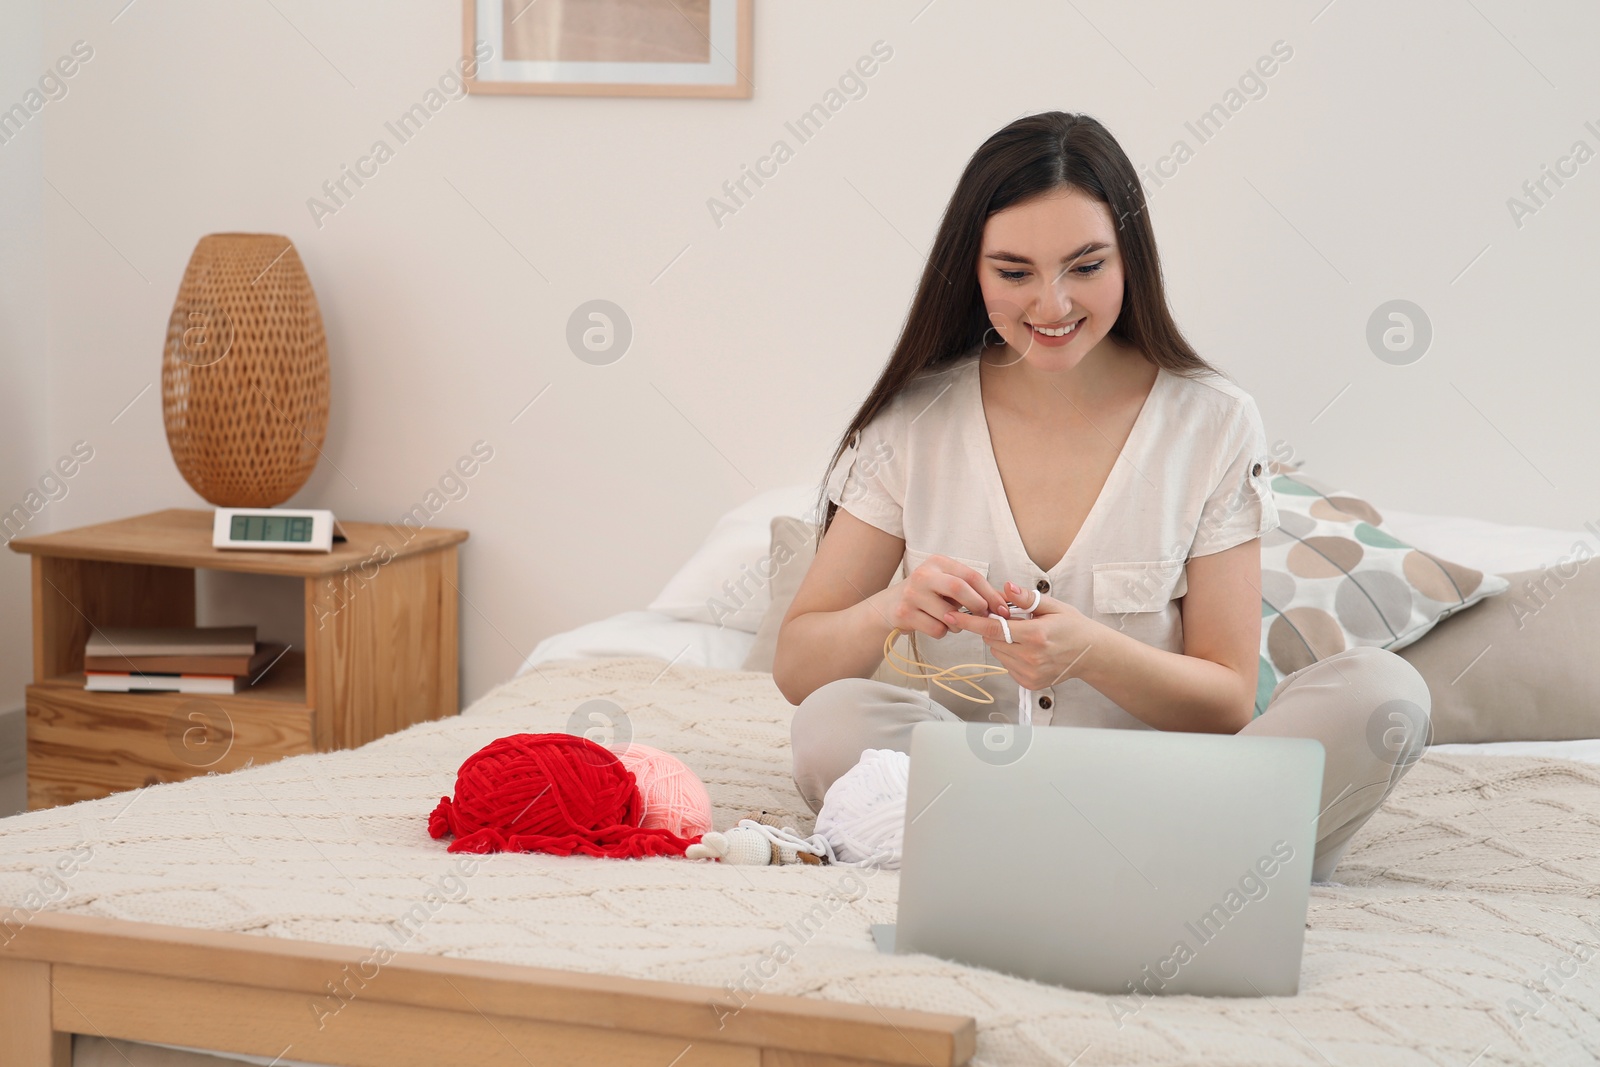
(864, 812)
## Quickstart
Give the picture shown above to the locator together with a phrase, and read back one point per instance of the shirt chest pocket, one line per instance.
(1125, 587)
(915, 559)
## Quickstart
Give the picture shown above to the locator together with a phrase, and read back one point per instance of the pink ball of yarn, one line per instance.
(674, 798)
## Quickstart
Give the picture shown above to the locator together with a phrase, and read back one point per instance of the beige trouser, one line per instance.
(1367, 706)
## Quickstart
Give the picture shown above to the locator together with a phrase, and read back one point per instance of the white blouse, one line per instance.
(1191, 480)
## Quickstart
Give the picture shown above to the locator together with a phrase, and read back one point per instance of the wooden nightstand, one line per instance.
(379, 651)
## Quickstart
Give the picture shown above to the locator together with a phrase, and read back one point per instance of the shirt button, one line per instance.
(1045, 702)
(1043, 585)
(1256, 470)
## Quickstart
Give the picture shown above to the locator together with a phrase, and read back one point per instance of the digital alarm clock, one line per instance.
(273, 529)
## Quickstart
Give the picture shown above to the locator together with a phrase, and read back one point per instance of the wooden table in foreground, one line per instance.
(379, 652)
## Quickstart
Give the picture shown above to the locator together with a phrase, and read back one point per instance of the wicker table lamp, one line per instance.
(244, 378)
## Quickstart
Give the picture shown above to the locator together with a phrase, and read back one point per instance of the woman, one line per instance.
(1043, 437)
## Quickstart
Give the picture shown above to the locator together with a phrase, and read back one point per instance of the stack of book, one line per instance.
(194, 659)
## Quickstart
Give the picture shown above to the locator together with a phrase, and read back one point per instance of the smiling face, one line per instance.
(1048, 264)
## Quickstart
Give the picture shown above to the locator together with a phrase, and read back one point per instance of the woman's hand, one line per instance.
(938, 587)
(1044, 649)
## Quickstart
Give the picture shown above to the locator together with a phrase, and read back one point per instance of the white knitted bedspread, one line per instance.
(1476, 884)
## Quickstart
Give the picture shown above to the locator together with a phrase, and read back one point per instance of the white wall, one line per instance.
(1377, 165)
(25, 440)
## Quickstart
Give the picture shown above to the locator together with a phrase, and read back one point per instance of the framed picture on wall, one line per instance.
(609, 47)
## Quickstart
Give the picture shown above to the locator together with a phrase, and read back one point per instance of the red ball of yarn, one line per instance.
(556, 793)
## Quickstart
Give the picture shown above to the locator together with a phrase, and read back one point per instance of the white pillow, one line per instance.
(645, 633)
(1485, 545)
(728, 580)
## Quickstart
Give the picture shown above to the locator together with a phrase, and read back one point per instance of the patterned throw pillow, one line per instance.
(1333, 578)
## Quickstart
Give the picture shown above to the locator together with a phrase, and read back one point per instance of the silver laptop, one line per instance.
(1131, 862)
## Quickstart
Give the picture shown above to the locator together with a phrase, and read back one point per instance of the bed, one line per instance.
(299, 912)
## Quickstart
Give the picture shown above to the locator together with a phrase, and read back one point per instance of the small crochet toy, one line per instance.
(759, 839)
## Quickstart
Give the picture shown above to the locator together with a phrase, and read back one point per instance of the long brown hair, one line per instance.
(1033, 156)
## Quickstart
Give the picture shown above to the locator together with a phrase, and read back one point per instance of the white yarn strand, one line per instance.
(1024, 696)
